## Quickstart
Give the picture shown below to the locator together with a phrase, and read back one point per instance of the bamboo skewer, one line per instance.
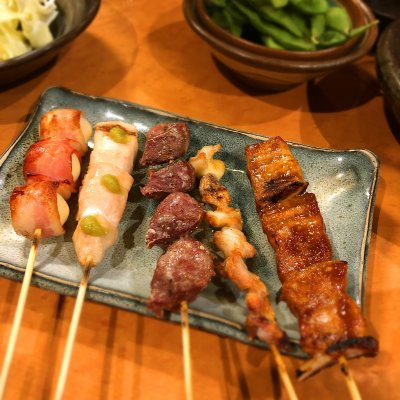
(350, 382)
(72, 330)
(283, 373)
(19, 311)
(186, 351)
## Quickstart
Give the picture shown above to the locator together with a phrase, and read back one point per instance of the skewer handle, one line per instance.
(350, 382)
(19, 311)
(187, 364)
(287, 383)
(72, 333)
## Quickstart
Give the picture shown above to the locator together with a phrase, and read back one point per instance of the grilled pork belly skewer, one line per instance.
(261, 321)
(38, 209)
(313, 285)
(102, 200)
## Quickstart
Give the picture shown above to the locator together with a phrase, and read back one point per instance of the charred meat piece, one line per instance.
(214, 193)
(327, 315)
(177, 177)
(51, 160)
(165, 142)
(181, 274)
(177, 215)
(296, 231)
(273, 171)
(34, 206)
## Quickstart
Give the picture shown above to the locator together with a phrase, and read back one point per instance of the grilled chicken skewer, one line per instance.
(261, 321)
(102, 200)
(313, 285)
(38, 210)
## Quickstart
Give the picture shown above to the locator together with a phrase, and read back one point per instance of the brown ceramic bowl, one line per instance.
(355, 11)
(73, 18)
(273, 73)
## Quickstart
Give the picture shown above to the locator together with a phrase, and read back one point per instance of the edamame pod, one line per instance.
(271, 43)
(279, 3)
(317, 26)
(338, 19)
(331, 38)
(362, 29)
(301, 23)
(280, 17)
(284, 38)
(311, 6)
(235, 27)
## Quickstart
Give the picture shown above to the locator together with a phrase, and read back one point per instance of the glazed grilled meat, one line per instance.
(177, 177)
(313, 285)
(165, 142)
(182, 272)
(273, 171)
(296, 231)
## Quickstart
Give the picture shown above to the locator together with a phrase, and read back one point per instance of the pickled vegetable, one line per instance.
(119, 135)
(91, 226)
(111, 183)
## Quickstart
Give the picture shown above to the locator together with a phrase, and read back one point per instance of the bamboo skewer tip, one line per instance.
(73, 329)
(283, 373)
(19, 310)
(186, 351)
(349, 379)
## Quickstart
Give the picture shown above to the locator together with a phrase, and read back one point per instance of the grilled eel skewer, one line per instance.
(313, 284)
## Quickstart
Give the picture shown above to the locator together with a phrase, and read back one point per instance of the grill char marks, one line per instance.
(273, 171)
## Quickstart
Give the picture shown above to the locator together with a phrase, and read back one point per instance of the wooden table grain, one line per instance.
(143, 51)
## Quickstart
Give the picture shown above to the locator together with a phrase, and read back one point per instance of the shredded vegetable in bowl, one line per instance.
(25, 25)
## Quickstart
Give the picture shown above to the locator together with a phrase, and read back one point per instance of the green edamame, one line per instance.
(317, 26)
(311, 6)
(271, 43)
(299, 25)
(280, 17)
(331, 38)
(279, 3)
(284, 38)
(362, 29)
(338, 19)
(301, 22)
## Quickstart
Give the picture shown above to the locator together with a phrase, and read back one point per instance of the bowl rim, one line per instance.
(200, 8)
(58, 42)
(280, 64)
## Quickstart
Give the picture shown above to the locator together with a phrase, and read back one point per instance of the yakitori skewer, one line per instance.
(313, 285)
(102, 201)
(38, 209)
(348, 376)
(261, 321)
(166, 142)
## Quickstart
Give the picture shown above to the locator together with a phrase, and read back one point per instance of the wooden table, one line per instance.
(143, 51)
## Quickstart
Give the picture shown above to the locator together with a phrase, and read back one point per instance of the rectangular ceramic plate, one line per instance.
(343, 181)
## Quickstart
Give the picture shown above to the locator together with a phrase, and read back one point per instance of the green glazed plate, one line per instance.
(343, 181)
